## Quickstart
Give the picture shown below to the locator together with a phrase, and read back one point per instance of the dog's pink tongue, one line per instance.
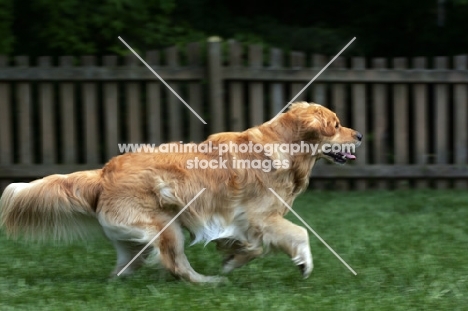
(350, 156)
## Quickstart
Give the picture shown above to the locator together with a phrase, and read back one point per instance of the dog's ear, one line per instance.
(328, 125)
(314, 120)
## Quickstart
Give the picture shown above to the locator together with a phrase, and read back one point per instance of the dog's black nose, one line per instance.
(358, 136)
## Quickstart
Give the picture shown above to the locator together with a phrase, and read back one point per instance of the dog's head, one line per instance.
(319, 125)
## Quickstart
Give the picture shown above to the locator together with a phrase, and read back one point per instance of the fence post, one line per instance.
(195, 93)
(256, 109)
(90, 111)
(380, 115)
(359, 121)
(277, 94)
(47, 116)
(154, 102)
(215, 85)
(24, 98)
(133, 105)
(319, 89)
(298, 62)
(175, 107)
(400, 120)
(421, 124)
(67, 116)
(236, 90)
(339, 106)
(111, 112)
(441, 120)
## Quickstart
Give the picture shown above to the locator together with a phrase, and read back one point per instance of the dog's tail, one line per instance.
(59, 207)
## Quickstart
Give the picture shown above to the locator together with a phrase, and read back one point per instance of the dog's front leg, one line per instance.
(291, 239)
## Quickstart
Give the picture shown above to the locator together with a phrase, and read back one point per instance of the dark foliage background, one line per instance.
(383, 28)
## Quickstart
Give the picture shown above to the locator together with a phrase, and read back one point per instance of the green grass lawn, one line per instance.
(409, 248)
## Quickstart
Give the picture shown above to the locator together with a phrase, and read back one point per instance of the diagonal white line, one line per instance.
(312, 230)
(159, 77)
(162, 230)
(313, 79)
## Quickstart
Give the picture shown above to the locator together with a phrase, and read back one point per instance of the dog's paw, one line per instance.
(228, 264)
(228, 259)
(305, 271)
(305, 265)
(217, 280)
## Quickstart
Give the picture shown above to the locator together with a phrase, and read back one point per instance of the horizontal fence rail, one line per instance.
(59, 115)
(378, 171)
(264, 74)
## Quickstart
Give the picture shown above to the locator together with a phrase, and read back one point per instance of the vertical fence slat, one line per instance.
(67, 116)
(215, 82)
(339, 93)
(111, 112)
(339, 106)
(47, 116)
(153, 102)
(298, 63)
(319, 89)
(133, 105)
(23, 95)
(441, 121)
(460, 117)
(256, 113)
(175, 106)
(380, 118)
(236, 91)
(6, 130)
(195, 93)
(359, 114)
(90, 116)
(420, 124)
(400, 119)
(277, 96)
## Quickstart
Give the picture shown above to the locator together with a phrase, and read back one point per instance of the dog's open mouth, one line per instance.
(340, 157)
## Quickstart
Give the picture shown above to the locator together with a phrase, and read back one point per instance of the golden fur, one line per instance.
(136, 194)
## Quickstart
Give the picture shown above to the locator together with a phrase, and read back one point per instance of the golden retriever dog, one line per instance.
(135, 195)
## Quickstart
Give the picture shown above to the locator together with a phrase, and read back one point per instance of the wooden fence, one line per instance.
(67, 114)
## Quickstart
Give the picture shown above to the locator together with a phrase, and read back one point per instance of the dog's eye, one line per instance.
(337, 125)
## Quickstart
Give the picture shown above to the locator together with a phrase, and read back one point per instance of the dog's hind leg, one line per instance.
(171, 247)
(121, 237)
(126, 251)
(140, 222)
(291, 239)
(238, 253)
